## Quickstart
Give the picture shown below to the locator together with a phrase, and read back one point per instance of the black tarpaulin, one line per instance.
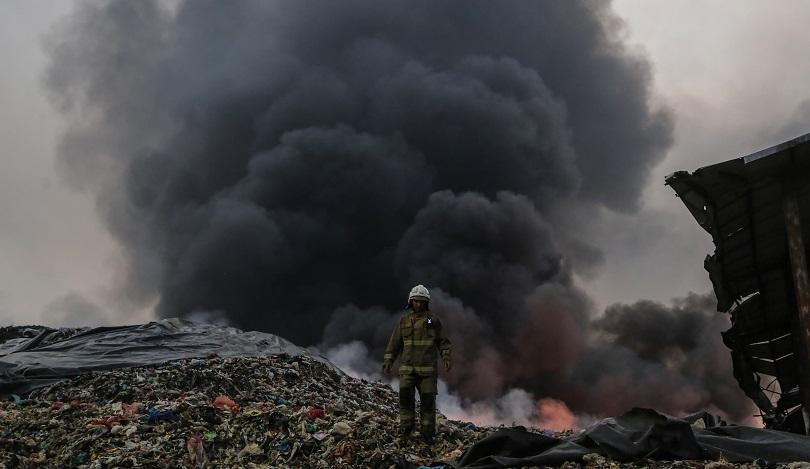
(638, 434)
(26, 364)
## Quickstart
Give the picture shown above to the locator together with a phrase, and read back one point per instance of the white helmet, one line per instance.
(419, 291)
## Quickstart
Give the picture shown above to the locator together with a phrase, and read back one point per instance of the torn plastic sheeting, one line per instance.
(29, 365)
(638, 434)
(17, 338)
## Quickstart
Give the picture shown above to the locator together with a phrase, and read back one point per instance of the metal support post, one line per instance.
(801, 283)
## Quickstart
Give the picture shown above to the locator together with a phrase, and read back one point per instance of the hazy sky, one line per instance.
(734, 77)
(50, 241)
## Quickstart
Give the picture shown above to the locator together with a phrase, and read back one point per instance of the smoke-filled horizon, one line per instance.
(296, 167)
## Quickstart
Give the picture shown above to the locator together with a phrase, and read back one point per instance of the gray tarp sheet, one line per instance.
(26, 364)
(638, 434)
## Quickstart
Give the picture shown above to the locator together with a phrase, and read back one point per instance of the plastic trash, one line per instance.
(131, 410)
(284, 446)
(341, 428)
(157, 415)
(224, 402)
(196, 451)
(315, 413)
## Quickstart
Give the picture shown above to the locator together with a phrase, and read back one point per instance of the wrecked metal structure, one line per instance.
(757, 210)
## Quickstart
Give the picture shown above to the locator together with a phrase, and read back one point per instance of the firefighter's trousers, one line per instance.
(408, 384)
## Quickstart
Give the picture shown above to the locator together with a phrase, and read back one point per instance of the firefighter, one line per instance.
(417, 340)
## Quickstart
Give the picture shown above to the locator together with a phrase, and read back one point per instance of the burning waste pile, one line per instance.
(278, 411)
(174, 393)
(247, 399)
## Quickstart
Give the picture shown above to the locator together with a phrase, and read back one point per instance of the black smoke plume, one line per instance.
(667, 357)
(298, 166)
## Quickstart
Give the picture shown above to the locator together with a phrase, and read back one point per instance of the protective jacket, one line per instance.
(417, 340)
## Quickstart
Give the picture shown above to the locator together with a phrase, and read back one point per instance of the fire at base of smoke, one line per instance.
(515, 407)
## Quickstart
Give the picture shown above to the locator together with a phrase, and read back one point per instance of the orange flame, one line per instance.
(554, 415)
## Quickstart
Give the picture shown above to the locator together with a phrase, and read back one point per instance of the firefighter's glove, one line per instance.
(387, 368)
(447, 364)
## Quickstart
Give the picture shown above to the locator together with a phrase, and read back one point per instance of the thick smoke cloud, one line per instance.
(296, 167)
(662, 356)
(74, 310)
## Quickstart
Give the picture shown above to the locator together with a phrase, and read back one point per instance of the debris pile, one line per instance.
(277, 411)
(297, 411)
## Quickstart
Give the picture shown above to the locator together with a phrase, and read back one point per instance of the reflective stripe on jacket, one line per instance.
(417, 341)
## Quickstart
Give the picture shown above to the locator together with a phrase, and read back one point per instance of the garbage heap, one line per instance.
(278, 411)
(292, 410)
